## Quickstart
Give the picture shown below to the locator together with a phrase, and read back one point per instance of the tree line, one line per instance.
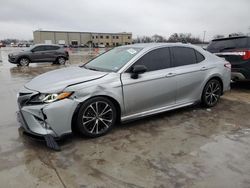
(180, 37)
(176, 37)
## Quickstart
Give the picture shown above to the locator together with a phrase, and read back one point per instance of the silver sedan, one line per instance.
(122, 84)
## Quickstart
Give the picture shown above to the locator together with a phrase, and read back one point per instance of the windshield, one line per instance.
(30, 48)
(113, 60)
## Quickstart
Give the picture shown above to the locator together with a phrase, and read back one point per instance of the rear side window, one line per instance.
(199, 57)
(52, 47)
(183, 56)
(227, 44)
(156, 59)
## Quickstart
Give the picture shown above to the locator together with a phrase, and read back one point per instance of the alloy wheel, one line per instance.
(97, 117)
(212, 92)
(24, 62)
(61, 61)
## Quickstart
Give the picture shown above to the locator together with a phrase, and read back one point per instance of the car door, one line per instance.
(190, 72)
(50, 54)
(152, 90)
(37, 54)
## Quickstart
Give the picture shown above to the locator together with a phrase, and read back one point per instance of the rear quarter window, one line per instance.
(199, 57)
(52, 47)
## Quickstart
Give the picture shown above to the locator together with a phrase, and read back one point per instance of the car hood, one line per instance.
(18, 53)
(57, 80)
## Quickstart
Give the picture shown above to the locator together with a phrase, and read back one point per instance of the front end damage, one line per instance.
(47, 121)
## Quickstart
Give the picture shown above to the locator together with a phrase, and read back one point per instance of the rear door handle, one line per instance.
(203, 68)
(171, 74)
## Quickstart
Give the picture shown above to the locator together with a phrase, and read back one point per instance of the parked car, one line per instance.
(236, 50)
(101, 46)
(2, 45)
(40, 53)
(125, 83)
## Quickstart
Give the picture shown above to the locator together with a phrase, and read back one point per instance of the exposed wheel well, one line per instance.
(117, 106)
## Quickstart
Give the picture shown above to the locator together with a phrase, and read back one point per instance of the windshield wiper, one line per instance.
(90, 68)
(94, 69)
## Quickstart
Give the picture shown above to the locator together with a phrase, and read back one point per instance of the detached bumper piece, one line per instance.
(51, 143)
(50, 140)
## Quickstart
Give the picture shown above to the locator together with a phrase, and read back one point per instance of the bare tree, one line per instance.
(185, 38)
(158, 38)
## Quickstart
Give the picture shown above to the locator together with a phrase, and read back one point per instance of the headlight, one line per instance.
(48, 98)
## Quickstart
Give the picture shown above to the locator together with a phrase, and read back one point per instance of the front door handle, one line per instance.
(171, 74)
(203, 68)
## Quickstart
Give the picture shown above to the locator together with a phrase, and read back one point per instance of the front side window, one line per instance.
(156, 59)
(39, 48)
(113, 60)
(183, 56)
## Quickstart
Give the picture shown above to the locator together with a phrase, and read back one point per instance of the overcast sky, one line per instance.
(18, 18)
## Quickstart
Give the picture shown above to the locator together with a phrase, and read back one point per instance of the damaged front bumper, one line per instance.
(50, 140)
(45, 121)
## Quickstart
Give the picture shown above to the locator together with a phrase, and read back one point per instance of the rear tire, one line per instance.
(96, 117)
(61, 60)
(23, 61)
(211, 93)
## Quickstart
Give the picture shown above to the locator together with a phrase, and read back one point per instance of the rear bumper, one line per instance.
(237, 76)
(241, 70)
(240, 74)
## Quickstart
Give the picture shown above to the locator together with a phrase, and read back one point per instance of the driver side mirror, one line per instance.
(138, 69)
(32, 50)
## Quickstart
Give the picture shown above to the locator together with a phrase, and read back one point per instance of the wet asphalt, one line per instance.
(189, 147)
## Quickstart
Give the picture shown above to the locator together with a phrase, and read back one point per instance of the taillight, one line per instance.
(227, 65)
(246, 55)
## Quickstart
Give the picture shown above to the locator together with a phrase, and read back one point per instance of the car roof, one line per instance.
(161, 44)
(148, 46)
(47, 45)
(229, 38)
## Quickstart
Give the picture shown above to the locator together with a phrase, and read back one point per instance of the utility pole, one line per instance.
(204, 35)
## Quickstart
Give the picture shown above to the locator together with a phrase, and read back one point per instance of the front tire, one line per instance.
(96, 117)
(211, 93)
(23, 61)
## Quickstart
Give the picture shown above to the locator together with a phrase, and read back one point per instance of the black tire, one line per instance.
(211, 93)
(61, 60)
(96, 117)
(23, 61)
